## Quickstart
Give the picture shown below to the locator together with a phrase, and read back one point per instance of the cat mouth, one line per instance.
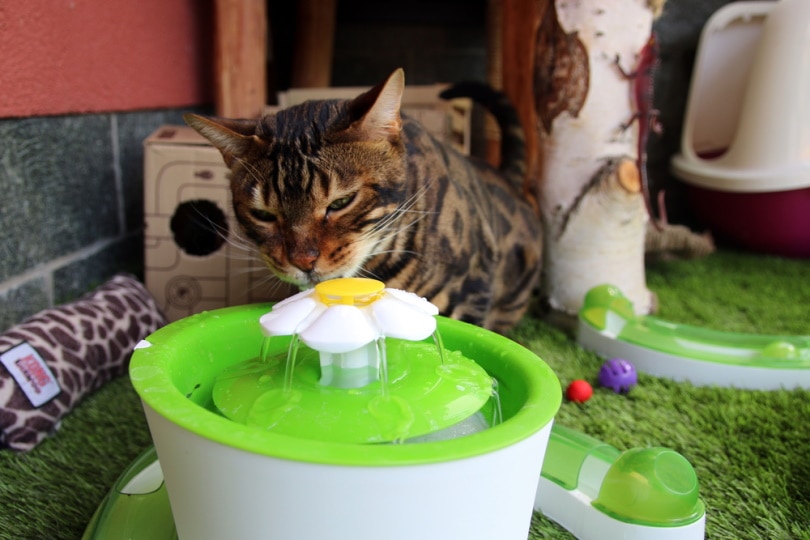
(307, 280)
(294, 276)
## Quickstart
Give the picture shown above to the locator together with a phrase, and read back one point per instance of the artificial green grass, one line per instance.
(52, 491)
(749, 448)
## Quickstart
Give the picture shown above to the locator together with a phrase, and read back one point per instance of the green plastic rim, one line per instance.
(175, 374)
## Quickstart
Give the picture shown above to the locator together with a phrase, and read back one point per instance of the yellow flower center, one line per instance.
(349, 291)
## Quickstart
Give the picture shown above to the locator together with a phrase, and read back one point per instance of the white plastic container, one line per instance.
(747, 123)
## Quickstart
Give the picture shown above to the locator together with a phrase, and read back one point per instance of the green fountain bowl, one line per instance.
(175, 369)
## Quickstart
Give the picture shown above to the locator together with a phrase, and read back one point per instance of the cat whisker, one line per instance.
(268, 284)
(252, 269)
(223, 231)
(394, 217)
(362, 272)
(400, 251)
(251, 169)
(238, 252)
(242, 249)
(242, 244)
(383, 234)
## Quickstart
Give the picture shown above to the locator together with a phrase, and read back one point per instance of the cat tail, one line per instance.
(513, 139)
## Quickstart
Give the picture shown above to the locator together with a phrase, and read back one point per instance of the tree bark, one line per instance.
(590, 192)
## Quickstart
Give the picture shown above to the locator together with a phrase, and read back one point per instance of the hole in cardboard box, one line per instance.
(199, 227)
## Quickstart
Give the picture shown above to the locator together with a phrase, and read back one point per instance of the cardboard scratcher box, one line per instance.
(196, 258)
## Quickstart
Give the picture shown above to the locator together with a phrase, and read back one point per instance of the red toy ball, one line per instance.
(579, 391)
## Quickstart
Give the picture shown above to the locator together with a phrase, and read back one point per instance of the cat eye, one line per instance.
(262, 215)
(343, 202)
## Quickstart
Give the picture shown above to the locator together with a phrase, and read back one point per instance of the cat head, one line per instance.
(317, 186)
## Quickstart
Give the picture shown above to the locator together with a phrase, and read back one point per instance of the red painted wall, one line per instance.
(76, 56)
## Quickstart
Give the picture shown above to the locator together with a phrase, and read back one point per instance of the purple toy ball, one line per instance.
(618, 374)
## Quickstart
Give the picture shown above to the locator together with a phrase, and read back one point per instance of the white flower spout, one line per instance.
(343, 319)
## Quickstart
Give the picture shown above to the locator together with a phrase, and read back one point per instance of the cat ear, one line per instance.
(378, 109)
(233, 138)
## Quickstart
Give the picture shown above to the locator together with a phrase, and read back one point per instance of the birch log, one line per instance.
(590, 191)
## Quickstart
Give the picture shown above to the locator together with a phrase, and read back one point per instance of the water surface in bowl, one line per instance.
(425, 390)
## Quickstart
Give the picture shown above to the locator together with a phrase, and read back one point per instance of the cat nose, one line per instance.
(305, 260)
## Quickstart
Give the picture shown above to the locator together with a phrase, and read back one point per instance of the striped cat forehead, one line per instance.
(293, 175)
(307, 121)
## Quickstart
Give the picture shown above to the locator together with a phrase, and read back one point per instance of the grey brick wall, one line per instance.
(71, 210)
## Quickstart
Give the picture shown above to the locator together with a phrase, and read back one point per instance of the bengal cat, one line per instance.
(343, 188)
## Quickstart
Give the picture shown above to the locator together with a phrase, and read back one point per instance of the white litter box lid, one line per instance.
(748, 99)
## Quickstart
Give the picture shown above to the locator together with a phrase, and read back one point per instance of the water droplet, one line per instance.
(272, 406)
(394, 416)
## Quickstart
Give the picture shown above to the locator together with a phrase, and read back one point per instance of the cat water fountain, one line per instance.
(347, 411)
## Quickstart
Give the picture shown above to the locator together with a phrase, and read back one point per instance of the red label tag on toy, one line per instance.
(31, 373)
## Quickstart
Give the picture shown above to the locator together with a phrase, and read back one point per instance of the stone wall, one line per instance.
(71, 210)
